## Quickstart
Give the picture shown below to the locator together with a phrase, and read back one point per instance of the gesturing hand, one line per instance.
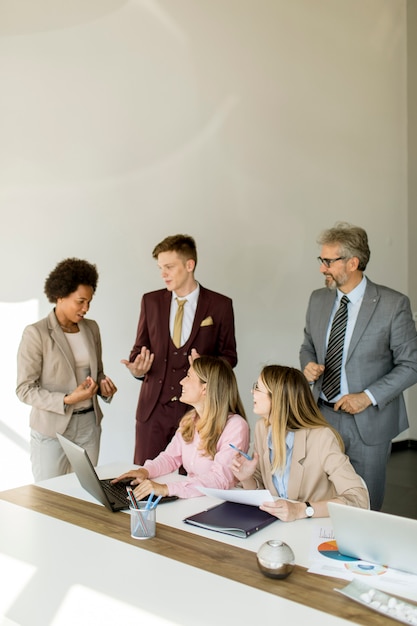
(87, 389)
(107, 387)
(142, 364)
(242, 468)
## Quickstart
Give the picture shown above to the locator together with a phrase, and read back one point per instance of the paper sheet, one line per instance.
(325, 559)
(255, 497)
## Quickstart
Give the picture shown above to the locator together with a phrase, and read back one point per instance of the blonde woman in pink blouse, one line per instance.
(201, 443)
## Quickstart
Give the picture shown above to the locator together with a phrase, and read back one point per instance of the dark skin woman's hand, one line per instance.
(87, 389)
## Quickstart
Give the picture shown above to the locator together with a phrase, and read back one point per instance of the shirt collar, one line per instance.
(356, 294)
(289, 439)
(191, 297)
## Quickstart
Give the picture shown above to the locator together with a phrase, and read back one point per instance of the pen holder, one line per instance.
(275, 559)
(142, 522)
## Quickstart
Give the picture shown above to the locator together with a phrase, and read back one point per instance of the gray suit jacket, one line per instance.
(46, 372)
(382, 355)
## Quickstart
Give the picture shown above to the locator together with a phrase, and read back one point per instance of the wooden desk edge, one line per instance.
(219, 558)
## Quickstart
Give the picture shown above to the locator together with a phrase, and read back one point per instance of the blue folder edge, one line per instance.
(232, 518)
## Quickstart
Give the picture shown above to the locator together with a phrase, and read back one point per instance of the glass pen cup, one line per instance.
(142, 521)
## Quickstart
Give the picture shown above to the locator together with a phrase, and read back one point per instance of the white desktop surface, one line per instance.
(58, 574)
(297, 534)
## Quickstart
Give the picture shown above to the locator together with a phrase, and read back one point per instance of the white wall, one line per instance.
(250, 124)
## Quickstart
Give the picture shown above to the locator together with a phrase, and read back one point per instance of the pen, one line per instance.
(132, 497)
(149, 501)
(241, 452)
(156, 502)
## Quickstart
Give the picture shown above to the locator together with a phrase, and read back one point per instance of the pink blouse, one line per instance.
(202, 469)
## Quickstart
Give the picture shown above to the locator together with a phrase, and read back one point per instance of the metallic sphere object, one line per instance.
(275, 559)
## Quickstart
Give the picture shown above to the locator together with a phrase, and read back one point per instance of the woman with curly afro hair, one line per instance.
(60, 371)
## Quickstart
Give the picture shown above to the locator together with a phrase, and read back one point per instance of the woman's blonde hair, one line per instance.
(222, 399)
(292, 408)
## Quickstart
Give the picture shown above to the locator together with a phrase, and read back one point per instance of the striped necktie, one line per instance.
(333, 362)
(176, 338)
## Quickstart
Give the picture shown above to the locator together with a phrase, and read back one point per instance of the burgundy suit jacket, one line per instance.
(213, 333)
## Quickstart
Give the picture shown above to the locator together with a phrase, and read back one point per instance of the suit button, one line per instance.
(175, 353)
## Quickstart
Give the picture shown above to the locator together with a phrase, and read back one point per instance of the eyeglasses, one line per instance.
(329, 262)
(255, 387)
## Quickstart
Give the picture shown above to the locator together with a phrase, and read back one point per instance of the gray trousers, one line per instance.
(369, 461)
(47, 456)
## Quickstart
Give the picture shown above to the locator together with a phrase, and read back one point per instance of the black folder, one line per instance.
(232, 518)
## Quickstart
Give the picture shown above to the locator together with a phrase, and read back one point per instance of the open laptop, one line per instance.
(114, 497)
(375, 537)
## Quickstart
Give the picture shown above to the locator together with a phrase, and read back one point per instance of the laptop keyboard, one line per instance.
(116, 491)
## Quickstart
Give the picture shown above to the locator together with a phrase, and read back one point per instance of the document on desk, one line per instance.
(254, 497)
(325, 559)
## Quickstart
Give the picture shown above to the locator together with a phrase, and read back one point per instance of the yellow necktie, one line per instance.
(178, 322)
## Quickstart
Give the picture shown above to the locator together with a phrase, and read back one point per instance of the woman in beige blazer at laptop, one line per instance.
(60, 371)
(297, 455)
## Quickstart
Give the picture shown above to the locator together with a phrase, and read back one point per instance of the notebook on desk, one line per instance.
(375, 537)
(114, 497)
(232, 518)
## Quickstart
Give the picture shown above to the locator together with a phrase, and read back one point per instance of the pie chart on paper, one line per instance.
(330, 549)
(356, 566)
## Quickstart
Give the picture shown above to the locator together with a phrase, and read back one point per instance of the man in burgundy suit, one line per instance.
(207, 329)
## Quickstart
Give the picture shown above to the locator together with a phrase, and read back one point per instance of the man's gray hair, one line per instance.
(352, 241)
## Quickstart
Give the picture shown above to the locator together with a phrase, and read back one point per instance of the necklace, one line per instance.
(69, 329)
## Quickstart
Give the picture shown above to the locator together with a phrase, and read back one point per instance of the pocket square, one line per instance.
(208, 321)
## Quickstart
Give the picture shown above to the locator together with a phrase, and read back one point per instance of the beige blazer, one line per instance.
(46, 372)
(319, 469)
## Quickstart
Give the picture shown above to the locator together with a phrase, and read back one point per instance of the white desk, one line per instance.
(297, 535)
(54, 573)
(60, 574)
